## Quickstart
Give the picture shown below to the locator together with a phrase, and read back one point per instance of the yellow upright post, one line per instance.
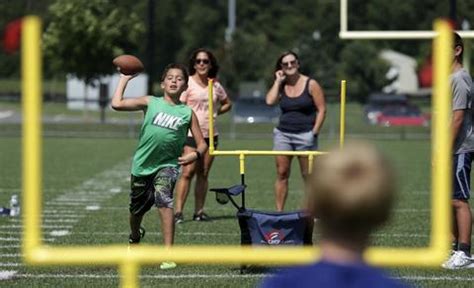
(211, 115)
(310, 163)
(242, 163)
(242, 175)
(31, 142)
(342, 123)
(129, 271)
(441, 180)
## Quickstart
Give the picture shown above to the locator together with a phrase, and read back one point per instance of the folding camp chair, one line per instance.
(267, 228)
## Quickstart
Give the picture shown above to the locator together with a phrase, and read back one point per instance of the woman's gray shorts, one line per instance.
(156, 189)
(286, 141)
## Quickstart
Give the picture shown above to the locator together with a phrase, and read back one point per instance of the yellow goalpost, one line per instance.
(129, 262)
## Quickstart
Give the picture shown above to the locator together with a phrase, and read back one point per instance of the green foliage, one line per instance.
(168, 40)
(84, 43)
(362, 68)
(200, 27)
(83, 36)
(263, 32)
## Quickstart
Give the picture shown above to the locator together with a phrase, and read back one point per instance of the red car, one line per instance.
(404, 115)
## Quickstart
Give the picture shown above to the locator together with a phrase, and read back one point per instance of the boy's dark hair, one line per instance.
(282, 55)
(213, 62)
(175, 66)
(458, 42)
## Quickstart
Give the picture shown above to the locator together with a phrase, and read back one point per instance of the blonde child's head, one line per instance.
(352, 190)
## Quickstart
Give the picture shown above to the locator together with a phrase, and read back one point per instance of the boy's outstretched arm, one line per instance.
(130, 104)
(200, 143)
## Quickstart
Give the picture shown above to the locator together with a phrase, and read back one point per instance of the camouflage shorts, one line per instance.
(156, 189)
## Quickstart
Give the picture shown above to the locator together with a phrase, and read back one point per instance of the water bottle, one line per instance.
(14, 206)
(4, 211)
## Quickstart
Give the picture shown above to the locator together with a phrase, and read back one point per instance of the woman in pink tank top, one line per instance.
(202, 67)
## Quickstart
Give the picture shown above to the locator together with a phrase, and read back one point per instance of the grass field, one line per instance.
(85, 184)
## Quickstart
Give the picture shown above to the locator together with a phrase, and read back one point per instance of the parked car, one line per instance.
(402, 115)
(379, 101)
(254, 110)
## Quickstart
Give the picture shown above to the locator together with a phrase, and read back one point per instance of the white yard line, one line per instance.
(58, 233)
(124, 208)
(208, 276)
(10, 239)
(156, 233)
(398, 235)
(225, 208)
(19, 190)
(68, 216)
(51, 220)
(78, 200)
(67, 209)
(418, 192)
(55, 203)
(402, 235)
(411, 210)
(5, 274)
(11, 255)
(61, 220)
(10, 246)
(435, 278)
(164, 276)
(18, 239)
(12, 226)
(10, 264)
(62, 211)
(10, 232)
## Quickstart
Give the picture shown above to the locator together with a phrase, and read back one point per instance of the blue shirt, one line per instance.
(328, 274)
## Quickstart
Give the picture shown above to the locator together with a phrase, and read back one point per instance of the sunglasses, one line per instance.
(287, 64)
(201, 61)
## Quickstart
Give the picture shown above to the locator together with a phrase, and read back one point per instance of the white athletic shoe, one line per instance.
(167, 265)
(458, 260)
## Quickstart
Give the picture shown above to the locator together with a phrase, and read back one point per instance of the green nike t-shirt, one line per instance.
(162, 136)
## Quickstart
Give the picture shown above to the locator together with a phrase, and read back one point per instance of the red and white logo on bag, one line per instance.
(274, 237)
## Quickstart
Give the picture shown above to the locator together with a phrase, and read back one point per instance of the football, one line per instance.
(128, 64)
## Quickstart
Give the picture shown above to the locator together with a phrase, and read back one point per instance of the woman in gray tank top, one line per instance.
(303, 110)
